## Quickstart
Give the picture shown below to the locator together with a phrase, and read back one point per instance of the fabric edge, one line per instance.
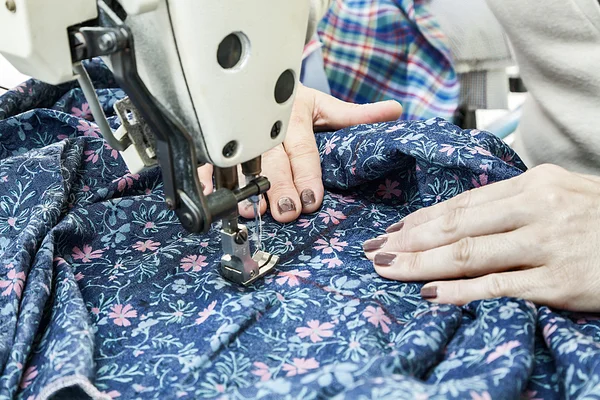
(73, 380)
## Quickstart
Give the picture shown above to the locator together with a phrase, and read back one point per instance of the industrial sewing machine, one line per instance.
(208, 81)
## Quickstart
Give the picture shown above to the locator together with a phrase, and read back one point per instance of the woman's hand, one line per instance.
(294, 168)
(536, 236)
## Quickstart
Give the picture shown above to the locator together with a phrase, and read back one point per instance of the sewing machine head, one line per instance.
(207, 82)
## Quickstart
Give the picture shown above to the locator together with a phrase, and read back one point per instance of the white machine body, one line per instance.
(177, 42)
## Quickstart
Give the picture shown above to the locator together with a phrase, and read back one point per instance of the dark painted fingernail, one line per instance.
(374, 244)
(384, 259)
(307, 197)
(285, 204)
(396, 227)
(429, 292)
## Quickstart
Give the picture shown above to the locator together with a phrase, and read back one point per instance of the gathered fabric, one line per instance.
(104, 295)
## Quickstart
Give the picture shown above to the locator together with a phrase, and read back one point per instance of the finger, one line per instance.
(468, 257)
(283, 197)
(303, 154)
(531, 284)
(484, 219)
(205, 174)
(474, 197)
(246, 208)
(332, 113)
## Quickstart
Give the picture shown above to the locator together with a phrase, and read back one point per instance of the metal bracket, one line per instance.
(137, 130)
(237, 265)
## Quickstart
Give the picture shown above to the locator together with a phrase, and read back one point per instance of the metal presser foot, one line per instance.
(237, 265)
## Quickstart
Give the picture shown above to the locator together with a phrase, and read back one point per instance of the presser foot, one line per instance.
(237, 265)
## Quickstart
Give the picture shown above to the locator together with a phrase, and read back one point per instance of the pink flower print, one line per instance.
(331, 215)
(193, 262)
(13, 283)
(12, 221)
(315, 330)
(113, 394)
(482, 396)
(87, 255)
(547, 331)
(147, 245)
(377, 317)
(395, 128)
(126, 181)
(482, 151)
(262, 371)
(483, 180)
(330, 144)
(120, 314)
(448, 149)
(28, 376)
(304, 223)
(4, 178)
(149, 225)
(113, 153)
(300, 366)
(137, 353)
(207, 312)
(329, 247)
(386, 191)
(21, 87)
(79, 276)
(95, 310)
(332, 262)
(291, 277)
(92, 156)
(88, 129)
(502, 350)
(84, 112)
(342, 199)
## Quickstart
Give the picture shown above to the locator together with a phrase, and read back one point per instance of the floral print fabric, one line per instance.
(104, 295)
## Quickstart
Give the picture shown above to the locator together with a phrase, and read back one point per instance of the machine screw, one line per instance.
(241, 237)
(252, 273)
(229, 149)
(107, 41)
(11, 6)
(276, 130)
(170, 204)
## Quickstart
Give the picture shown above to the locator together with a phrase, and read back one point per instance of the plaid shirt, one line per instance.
(389, 49)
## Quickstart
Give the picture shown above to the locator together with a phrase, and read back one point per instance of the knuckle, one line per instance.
(462, 201)
(495, 286)
(302, 149)
(451, 221)
(413, 264)
(553, 197)
(462, 253)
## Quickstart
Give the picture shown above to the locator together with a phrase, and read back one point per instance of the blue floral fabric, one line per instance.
(104, 295)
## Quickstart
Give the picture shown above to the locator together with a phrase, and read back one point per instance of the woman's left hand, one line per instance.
(536, 236)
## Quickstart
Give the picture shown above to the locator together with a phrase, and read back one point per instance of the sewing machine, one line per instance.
(207, 82)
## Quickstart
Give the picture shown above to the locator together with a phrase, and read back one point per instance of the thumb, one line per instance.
(332, 113)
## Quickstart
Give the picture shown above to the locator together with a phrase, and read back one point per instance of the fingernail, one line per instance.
(285, 204)
(384, 259)
(395, 227)
(374, 244)
(307, 197)
(429, 292)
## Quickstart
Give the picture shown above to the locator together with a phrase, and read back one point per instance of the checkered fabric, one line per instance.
(384, 49)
